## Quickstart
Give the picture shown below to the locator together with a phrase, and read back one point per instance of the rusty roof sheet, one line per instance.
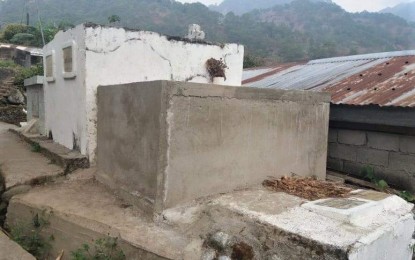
(384, 79)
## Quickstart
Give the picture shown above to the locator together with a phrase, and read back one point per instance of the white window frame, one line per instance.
(72, 74)
(53, 77)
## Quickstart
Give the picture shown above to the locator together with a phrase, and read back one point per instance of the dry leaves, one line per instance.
(308, 188)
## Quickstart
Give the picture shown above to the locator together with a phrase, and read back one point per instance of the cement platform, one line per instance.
(267, 224)
(83, 210)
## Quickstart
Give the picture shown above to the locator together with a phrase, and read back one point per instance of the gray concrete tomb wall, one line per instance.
(165, 143)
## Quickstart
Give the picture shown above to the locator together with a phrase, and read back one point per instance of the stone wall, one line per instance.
(392, 156)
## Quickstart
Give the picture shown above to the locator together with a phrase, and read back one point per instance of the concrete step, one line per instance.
(20, 165)
(70, 160)
(82, 211)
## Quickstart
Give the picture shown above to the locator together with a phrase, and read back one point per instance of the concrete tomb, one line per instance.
(165, 143)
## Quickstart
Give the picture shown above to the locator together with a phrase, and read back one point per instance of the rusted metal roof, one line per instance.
(384, 79)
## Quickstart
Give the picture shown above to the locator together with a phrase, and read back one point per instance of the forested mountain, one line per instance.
(404, 10)
(244, 6)
(300, 30)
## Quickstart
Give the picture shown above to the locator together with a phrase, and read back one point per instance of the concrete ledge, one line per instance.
(201, 90)
(68, 159)
(82, 211)
(10, 250)
(33, 81)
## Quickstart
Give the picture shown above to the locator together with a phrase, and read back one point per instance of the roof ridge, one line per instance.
(370, 56)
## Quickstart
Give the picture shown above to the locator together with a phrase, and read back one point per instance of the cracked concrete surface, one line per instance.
(19, 165)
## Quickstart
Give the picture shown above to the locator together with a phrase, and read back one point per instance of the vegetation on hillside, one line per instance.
(21, 34)
(300, 30)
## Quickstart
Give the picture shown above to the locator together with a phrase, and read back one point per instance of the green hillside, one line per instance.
(297, 31)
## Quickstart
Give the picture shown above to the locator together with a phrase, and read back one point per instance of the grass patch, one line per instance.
(36, 148)
(104, 249)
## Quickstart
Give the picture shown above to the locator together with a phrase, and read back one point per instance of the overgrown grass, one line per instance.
(104, 249)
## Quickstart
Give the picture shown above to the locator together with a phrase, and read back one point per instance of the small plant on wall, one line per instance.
(216, 68)
(104, 249)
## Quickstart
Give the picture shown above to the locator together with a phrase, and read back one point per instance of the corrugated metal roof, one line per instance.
(384, 79)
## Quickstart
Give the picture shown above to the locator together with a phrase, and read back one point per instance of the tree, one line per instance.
(114, 19)
(23, 39)
(11, 30)
(27, 35)
(251, 61)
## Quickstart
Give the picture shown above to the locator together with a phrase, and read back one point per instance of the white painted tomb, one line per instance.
(79, 60)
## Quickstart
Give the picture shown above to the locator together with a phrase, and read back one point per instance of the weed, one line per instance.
(369, 173)
(28, 235)
(104, 249)
(36, 148)
(407, 196)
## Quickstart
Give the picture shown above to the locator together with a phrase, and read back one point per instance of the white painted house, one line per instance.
(79, 60)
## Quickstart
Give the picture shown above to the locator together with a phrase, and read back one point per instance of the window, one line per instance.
(69, 61)
(50, 66)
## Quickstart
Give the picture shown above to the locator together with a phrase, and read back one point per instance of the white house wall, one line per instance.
(118, 56)
(65, 98)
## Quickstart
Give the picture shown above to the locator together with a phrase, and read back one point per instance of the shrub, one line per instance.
(8, 64)
(24, 73)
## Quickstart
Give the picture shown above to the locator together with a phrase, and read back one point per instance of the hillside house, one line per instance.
(22, 55)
